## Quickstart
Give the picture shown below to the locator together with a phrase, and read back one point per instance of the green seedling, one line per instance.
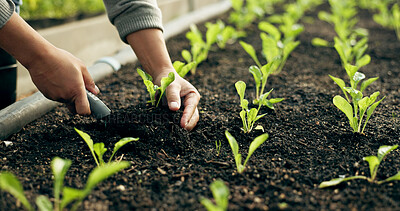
(9, 183)
(152, 89)
(218, 147)
(220, 193)
(235, 149)
(98, 149)
(241, 16)
(223, 34)
(182, 69)
(360, 105)
(261, 74)
(248, 116)
(373, 162)
(275, 48)
(388, 18)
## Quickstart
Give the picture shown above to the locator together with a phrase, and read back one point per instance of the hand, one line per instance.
(180, 88)
(62, 77)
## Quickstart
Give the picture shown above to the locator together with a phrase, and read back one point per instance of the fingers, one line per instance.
(190, 115)
(89, 83)
(82, 106)
(173, 97)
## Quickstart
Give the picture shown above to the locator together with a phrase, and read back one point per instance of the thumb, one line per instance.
(173, 96)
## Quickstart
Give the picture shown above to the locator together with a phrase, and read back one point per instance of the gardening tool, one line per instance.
(97, 107)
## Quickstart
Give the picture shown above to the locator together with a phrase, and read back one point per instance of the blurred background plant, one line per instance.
(42, 9)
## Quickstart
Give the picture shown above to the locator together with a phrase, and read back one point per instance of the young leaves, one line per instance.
(373, 162)
(182, 69)
(99, 148)
(248, 116)
(153, 89)
(221, 196)
(235, 149)
(10, 183)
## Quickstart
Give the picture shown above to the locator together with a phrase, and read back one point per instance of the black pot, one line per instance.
(8, 79)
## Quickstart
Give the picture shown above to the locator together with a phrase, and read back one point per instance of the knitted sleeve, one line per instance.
(129, 16)
(6, 10)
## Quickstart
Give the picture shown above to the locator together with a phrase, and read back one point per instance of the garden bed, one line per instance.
(310, 139)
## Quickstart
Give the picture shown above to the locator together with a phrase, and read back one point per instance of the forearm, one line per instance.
(150, 48)
(23, 42)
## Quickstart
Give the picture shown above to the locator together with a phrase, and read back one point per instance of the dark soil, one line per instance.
(310, 139)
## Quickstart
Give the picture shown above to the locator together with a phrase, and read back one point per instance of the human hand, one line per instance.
(62, 77)
(180, 88)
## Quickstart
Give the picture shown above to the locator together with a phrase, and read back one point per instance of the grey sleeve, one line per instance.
(129, 16)
(6, 10)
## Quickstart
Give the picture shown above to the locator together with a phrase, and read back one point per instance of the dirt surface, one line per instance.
(310, 139)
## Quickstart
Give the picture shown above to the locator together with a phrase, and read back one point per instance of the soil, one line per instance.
(310, 140)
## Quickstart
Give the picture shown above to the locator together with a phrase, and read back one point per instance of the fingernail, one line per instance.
(174, 105)
(97, 89)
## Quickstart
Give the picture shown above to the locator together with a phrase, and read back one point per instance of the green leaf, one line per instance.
(101, 173)
(120, 144)
(384, 150)
(185, 69)
(366, 59)
(59, 168)
(257, 74)
(270, 29)
(255, 144)
(178, 65)
(233, 143)
(393, 178)
(366, 83)
(370, 111)
(373, 162)
(351, 70)
(207, 203)
(250, 50)
(165, 82)
(212, 33)
(337, 181)
(44, 203)
(240, 88)
(151, 89)
(100, 150)
(10, 183)
(186, 56)
(89, 142)
(320, 42)
(220, 193)
(344, 106)
(70, 195)
(145, 76)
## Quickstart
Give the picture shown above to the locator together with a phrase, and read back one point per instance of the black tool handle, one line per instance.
(97, 107)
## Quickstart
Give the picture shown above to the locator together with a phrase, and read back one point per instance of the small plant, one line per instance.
(152, 89)
(274, 47)
(182, 69)
(361, 105)
(218, 147)
(374, 162)
(261, 74)
(235, 149)
(99, 149)
(221, 196)
(223, 33)
(248, 116)
(9, 183)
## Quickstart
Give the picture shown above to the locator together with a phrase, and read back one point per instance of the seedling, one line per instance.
(9, 183)
(261, 74)
(99, 149)
(274, 47)
(221, 197)
(388, 18)
(361, 105)
(235, 149)
(248, 116)
(373, 162)
(152, 89)
(223, 34)
(182, 69)
(218, 147)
